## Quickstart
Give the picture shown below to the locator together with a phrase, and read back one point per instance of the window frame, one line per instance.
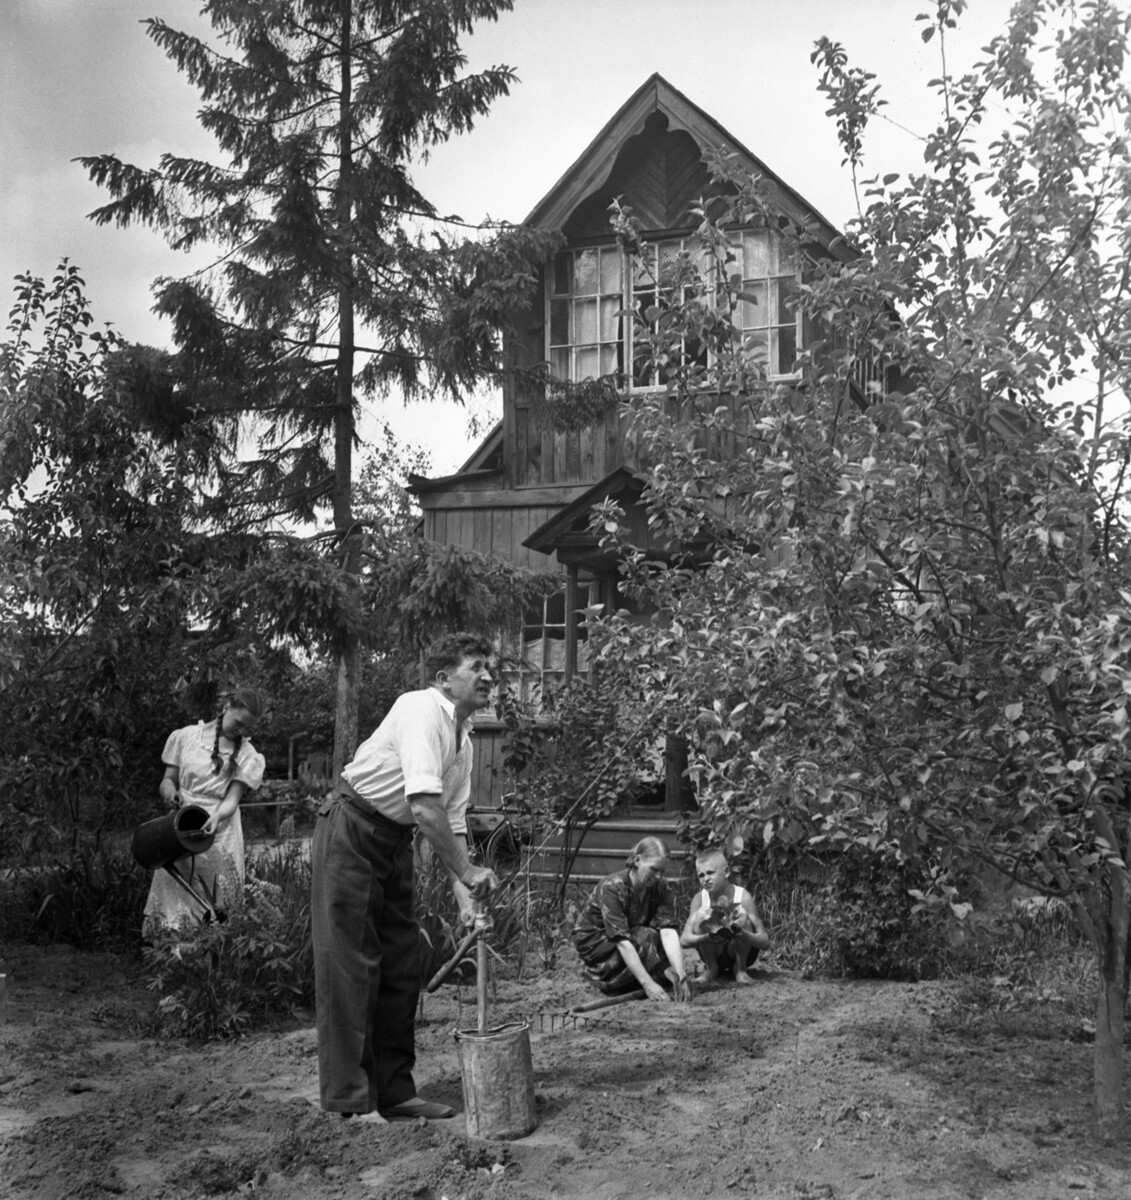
(530, 683)
(774, 329)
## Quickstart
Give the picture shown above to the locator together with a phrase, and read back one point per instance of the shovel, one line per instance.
(481, 966)
(495, 1065)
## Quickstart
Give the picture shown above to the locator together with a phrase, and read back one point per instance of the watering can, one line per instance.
(157, 845)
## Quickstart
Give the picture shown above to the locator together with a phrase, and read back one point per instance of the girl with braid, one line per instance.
(211, 765)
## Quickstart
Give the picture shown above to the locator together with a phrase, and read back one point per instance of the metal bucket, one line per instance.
(163, 840)
(498, 1081)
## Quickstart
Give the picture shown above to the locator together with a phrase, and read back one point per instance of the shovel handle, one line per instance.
(454, 961)
(607, 1002)
(481, 967)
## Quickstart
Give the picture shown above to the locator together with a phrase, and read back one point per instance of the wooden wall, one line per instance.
(545, 456)
(493, 530)
(487, 781)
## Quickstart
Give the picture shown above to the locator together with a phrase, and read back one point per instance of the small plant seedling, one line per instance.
(724, 916)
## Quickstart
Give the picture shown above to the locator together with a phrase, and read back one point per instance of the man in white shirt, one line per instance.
(413, 772)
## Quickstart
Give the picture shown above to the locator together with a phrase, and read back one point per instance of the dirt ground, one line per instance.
(784, 1088)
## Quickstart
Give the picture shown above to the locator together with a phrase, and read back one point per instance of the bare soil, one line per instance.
(784, 1088)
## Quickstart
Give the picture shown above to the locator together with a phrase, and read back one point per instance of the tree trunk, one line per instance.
(1111, 922)
(1111, 1001)
(349, 542)
(345, 711)
(1111, 997)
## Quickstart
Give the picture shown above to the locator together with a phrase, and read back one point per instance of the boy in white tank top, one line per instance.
(723, 924)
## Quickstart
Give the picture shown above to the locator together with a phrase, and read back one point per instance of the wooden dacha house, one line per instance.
(526, 492)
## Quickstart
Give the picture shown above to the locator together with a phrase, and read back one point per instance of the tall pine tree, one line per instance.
(335, 278)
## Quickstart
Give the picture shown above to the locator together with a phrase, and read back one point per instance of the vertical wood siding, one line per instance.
(499, 531)
(487, 780)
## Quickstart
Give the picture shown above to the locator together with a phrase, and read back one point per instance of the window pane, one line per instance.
(644, 266)
(755, 346)
(559, 364)
(563, 265)
(610, 359)
(752, 313)
(585, 277)
(669, 265)
(756, 255)
(609, 320)
(584, 321)
(610, 271)
(695, 351)
(787, 290)
(732, 266)
(699, 255)
(787, 349)
(559, 322)
(588, 363)
(555, 654)
(641, 367)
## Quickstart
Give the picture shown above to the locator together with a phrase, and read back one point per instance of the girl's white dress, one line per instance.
(219, 872)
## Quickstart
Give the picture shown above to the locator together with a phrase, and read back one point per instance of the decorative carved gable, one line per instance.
(659, 174)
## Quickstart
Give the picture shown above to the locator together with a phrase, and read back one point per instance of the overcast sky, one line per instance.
(81, 77)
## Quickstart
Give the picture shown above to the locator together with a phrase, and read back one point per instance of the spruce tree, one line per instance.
(334, 278)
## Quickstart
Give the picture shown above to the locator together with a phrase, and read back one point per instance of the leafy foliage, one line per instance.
(335, 277)
(910, 630)
(218, 980)
(574, 759)
(91, 900)
(869, 927)
(424, 588)
(103, 563)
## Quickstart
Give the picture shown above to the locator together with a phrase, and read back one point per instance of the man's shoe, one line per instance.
(411, 1110)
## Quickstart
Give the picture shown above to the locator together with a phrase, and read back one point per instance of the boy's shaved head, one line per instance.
(713, 854)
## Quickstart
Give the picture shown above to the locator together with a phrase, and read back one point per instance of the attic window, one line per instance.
(586, 329)
(768, 321)
(591, 291)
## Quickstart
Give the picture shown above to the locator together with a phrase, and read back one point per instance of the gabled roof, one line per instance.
(571, 523)
(586, 175)
(567, 532)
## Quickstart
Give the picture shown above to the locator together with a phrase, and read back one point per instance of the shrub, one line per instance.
(870, 928)
(1031, 974)
(219, 979)
(855, 917)
(93, 899)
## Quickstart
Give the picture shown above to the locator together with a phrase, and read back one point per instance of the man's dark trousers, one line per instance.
(366, 958)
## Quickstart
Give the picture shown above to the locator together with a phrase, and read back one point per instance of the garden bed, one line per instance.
(785, 1088)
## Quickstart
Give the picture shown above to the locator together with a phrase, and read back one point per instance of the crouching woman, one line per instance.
(627, 935)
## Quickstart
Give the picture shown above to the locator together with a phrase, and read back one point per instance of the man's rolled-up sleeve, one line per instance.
(421, 761)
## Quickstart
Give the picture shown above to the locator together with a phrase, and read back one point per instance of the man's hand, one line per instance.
(480, 881)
